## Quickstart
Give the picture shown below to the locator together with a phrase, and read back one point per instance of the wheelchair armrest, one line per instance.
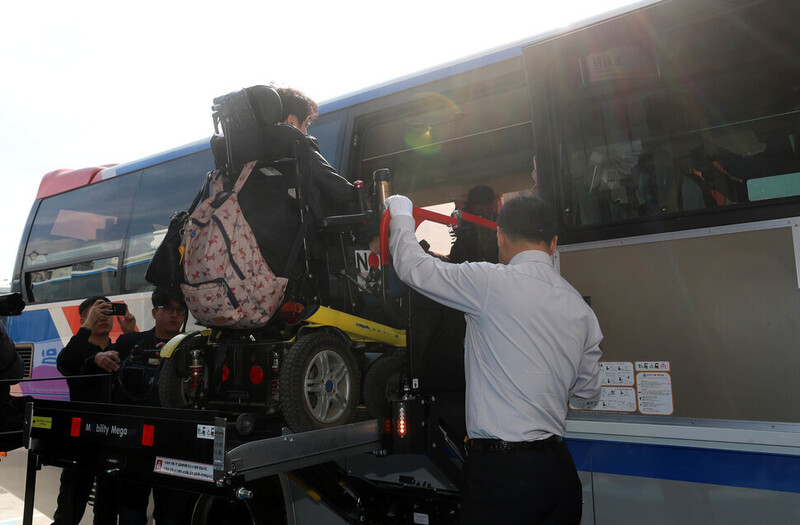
(342, 223)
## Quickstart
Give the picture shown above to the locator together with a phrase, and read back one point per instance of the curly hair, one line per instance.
(298, 104)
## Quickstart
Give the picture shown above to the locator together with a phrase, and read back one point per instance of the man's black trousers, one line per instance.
(522, 486)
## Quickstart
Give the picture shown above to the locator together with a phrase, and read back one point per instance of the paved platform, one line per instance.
(11, 509)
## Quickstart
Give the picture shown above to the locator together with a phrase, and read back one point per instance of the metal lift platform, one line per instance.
(194, 450)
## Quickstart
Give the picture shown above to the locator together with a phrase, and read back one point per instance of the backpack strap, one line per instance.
(201, 193)
(243, 176)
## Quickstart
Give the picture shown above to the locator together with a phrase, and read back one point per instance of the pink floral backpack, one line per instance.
(226, 281)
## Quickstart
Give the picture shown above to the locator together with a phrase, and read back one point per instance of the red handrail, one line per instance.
(421, 216)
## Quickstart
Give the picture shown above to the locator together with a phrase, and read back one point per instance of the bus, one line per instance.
(666, 137)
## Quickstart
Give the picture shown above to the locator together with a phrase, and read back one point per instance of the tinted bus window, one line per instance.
(96, 277)
(328, 134)
(475, 129)
(78, 235)
(696, 117)
(165, 188)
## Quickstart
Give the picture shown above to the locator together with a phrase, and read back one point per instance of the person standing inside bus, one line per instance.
(472, 242)
(532, 342)
(89, 352)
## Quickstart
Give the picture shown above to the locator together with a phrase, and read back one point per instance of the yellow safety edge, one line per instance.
(172, 344)
(357, 328)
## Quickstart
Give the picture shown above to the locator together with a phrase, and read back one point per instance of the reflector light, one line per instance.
(75, 430)
(291, 312)
(148, 435)
(256, 375)
(226, 373)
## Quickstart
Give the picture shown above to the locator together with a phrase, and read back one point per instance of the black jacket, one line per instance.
(77, 358)
(272, 211)
(146, 340)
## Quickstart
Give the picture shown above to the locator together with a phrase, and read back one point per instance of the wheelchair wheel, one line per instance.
(183, 380)
(382, 384)
(319, 383)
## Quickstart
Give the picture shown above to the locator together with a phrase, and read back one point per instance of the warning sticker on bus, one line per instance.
(184, 469)
(654, 393)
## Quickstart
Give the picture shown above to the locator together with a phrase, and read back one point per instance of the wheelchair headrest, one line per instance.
(248, 109)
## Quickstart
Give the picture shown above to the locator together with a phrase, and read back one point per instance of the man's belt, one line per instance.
(498, 445)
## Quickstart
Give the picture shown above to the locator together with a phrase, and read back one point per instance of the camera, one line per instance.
(11, 304)
(118, 309)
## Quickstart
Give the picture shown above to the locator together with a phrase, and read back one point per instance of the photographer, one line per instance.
(170, 506)
(90, 352)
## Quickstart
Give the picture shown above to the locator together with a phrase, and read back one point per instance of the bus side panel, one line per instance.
(667, 485)
(722, 308)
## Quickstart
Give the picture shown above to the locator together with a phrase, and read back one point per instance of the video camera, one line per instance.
(11, 304)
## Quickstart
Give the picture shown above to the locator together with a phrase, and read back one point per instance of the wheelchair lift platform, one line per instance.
(194, 450)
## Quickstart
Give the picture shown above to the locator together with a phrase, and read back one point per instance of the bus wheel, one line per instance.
(319, 383)
(183, 380)
(382, 384)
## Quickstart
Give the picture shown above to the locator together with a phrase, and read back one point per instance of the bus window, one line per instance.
(84, 279)
(76, 235)
(165, 188)
(328, 133)
(471, 130)
(675, 118)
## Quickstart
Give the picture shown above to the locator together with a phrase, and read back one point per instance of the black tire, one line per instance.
(173, 379)
(319, 383)
(382, 384)
(265, 507)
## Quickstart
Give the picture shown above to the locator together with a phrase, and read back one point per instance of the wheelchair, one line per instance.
(339, 339)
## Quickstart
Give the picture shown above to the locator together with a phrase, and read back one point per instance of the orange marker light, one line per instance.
(401, 421)
(291, 312)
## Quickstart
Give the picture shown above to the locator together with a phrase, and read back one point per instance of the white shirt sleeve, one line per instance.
(587, 382)
(463, 286)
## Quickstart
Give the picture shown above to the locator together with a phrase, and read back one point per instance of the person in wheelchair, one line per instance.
(306, 222)
(276, 226)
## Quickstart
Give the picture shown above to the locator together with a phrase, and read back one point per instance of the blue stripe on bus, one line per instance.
(34, 325)
(718, 467)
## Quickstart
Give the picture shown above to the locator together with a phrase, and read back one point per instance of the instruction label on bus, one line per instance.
(617, 373)
(617, 393)
(184, 469)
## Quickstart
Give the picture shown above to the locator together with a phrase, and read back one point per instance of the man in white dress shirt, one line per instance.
(531, 343)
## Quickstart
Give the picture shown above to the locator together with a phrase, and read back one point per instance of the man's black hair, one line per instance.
(162, 298)
(298, 104)
(83, 308)
(529, 218)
